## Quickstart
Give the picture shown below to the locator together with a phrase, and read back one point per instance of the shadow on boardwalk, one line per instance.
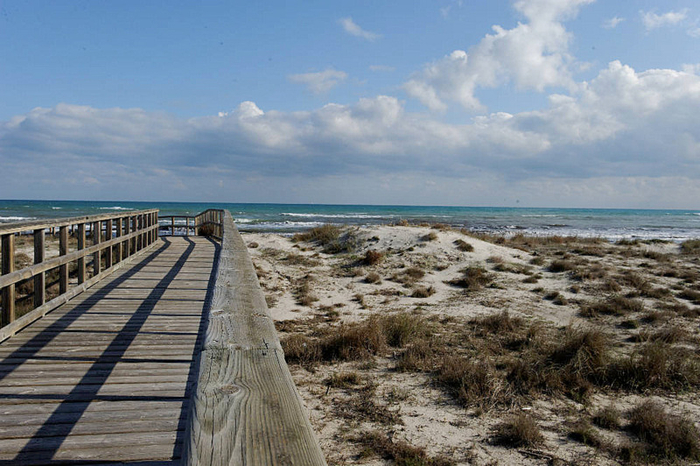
(119, 347)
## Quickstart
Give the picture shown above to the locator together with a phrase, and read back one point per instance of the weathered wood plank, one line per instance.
(246, 410)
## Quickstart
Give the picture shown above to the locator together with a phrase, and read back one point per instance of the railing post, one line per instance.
(109, 251)
(40, 278)
(96, 239)
(81, 261)
(8, 266)
(119, 244)
(62, 251)
(132, 228)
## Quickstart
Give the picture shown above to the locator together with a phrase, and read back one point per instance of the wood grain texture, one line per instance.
(246, 410)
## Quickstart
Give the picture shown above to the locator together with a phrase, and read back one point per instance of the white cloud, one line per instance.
(652, 20)
(612, 23)
(320, 82)
(625, 132)
(532, 55)
(353, 29)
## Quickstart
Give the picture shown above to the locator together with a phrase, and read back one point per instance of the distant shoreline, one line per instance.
(611, 224)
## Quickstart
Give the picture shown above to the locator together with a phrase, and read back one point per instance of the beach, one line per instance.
(426, 343)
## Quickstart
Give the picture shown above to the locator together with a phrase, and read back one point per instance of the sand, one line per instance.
(424, 415)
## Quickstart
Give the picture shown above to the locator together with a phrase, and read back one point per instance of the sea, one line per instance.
(610, 224)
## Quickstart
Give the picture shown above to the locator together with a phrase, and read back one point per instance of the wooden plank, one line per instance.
(246, 409)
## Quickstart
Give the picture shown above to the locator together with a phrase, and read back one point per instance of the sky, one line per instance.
(531, 103)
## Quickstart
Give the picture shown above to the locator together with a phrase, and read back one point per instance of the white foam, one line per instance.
(15, 219)
(115, 208)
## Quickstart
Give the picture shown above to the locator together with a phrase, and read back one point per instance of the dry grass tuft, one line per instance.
(372, 257)
(463, 245)
(373, 277)
(608, 417)
(561, 265)
(691, 246)
(665, 436)
(423, 292)
(519, 431)
(473, 279)
(432, 236)
(401, 453)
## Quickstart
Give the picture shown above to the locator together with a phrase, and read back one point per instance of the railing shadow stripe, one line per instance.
(79, 393)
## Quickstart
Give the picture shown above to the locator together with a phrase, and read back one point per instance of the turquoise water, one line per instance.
(612, 224)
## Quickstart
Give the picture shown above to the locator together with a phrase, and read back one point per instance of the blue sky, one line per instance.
(529, 102)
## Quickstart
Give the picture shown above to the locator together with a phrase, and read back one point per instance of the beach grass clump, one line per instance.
(561, 265)
(402, 328)
(691, 246)
(582, 431)
(303, 291)
(608, 417)
(473, 279)
(373, 278)
(690, 295)
(321, 235)
(372, 257)
(343, 379)
(614, 305)
(423, 292)
(356, 341)
(331, 238)
(654, 365)
(520, 431)
(463, 245)
(471, 382)
(432, 236)
(375, 443)
(664, 436)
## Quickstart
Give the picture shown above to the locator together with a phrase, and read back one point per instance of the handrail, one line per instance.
(31, 225)
(245, 409)
(115, 236)
(207, 223)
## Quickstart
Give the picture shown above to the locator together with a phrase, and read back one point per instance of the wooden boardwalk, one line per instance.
(108, 376)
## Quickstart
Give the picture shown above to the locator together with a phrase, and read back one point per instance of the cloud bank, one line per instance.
(625, 137)
(624, 124)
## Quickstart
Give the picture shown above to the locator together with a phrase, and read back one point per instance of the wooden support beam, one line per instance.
(81, 261)
(40, 278)
(96, 239)
(62, 251)
(120, 246)
(8, 266)
(109, 251)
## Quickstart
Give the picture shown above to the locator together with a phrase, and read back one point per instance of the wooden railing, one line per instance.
(245, 409)
(207, 223)
(115, 238)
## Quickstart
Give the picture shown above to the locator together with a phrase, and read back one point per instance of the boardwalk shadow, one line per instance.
(48, 439)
